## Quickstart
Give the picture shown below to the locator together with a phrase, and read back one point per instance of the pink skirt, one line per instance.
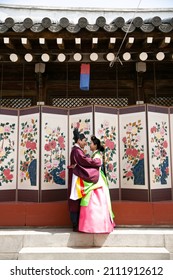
(95, 218)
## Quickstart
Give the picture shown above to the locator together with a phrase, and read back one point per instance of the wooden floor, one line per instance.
(127, 213)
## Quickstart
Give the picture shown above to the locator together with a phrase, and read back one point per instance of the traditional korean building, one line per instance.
(130, 58)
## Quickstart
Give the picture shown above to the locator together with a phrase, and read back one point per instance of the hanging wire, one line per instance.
(117, 79)
(111, 64)
(2, 77)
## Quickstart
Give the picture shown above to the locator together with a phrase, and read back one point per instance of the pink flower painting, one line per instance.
(54, 155)
(6, 152)
(159, 152)
(107, 135)
(133, 153)
(28, 149)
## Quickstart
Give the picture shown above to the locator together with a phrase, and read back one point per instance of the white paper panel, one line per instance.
(8, 151)
(106, 129)
(159, 150)
(54, 151)
(133, 151)
(29, 141)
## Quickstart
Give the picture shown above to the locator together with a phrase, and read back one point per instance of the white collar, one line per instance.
(77, 145)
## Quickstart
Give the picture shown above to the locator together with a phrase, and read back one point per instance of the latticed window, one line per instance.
(77, 102)
(163, 101)
(16, 102)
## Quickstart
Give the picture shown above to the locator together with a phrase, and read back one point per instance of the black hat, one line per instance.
(78, 135)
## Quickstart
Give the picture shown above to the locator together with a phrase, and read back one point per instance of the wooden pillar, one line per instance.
(39, 70)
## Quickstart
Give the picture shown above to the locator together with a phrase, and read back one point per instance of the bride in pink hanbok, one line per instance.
(96, 214)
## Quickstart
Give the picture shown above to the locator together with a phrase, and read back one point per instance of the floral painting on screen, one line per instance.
(107, 135)
(159, 152)
(28, 151)
(6, 153)
(133, 153)
(54, 155)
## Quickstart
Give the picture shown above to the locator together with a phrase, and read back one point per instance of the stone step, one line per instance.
(13, 241)
(94, 253)
(47, 237)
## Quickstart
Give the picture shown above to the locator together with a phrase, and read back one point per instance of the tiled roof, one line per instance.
(164, 25)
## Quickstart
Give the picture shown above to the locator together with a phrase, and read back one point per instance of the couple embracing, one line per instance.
(88, 192)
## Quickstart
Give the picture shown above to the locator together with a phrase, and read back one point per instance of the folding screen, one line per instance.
(133, 153)
(159, 153)
(29, 157)
(54, 155)
(82, 118)
(35, 147)
(8, 153)
(106, 129)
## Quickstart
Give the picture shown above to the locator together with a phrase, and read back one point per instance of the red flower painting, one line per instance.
(54, 155)
(107, 134)
(133, 152)
(6, 152)
(28, 149)
(159, 152)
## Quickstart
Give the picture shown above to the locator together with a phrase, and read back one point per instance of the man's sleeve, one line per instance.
(85, 161)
